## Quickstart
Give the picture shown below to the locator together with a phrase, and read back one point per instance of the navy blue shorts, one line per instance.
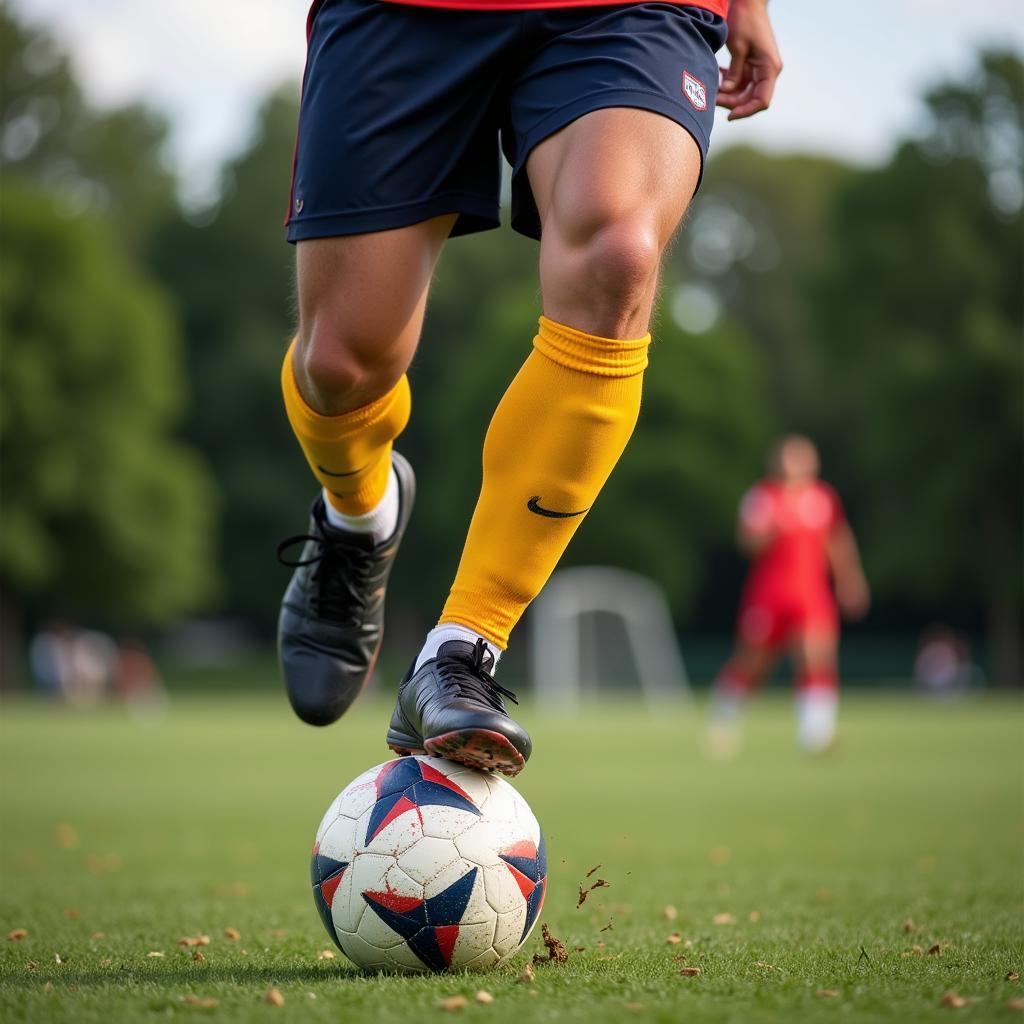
(402, 106)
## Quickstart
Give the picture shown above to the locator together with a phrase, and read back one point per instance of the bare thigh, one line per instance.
(361, 305)
(611, 188)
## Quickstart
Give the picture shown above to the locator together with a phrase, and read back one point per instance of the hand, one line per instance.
(750, 78)
(853, 596)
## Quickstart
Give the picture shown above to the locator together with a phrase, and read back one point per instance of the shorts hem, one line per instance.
(526, 222)
(475, 213)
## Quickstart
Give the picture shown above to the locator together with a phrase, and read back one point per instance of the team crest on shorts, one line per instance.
(694, 91)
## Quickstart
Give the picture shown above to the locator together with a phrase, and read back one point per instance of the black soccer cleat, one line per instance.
(332, 617)
(453, 708)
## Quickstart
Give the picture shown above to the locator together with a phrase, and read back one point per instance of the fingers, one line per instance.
(758, 93)
(734, 74)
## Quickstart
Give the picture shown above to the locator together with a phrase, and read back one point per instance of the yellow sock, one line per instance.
(554, 439)
(349, 454)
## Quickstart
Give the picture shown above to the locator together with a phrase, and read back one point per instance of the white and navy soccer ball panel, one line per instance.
(422, 864)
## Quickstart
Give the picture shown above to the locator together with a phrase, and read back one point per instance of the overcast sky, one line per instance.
(854, 71)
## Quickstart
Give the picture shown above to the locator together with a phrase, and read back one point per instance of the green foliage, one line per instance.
(103, 516)
(109, 163)
(921, 313)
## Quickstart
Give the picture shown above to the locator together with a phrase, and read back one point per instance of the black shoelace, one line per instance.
(465, 675)
(340, 579)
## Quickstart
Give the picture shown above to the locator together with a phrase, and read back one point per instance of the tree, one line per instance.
(920, 313)
(108, 163)
(104, 515)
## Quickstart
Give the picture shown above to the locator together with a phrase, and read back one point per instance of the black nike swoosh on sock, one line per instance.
(327, 472)
(534, 506)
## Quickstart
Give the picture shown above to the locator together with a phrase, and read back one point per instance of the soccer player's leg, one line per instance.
(761, 628)
(395, 151)
(816, 655)
(610, 189)
(361, 303)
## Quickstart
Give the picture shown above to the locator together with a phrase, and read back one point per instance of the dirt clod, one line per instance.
(1016, 1005)
(526, 975)
(829, 993)
(674, 939)
(232, 934)
(197, 956)
(273, 997)
(1013, 976)
(18, 934)
(953, 1000)
(483, 996)
(725, 918)
(689, 972)
(557, 953)
(326, 954)
(593, 869)
(670, 912)
(909, 927)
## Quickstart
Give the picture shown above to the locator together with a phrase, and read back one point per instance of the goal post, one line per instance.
(564, 640)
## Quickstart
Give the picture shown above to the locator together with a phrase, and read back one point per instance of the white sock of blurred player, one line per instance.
(817, 712)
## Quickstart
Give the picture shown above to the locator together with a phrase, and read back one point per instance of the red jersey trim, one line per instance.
(719, 7)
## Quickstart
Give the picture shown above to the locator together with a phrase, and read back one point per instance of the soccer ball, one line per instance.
(422, 864)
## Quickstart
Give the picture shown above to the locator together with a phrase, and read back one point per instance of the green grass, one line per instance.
(204, 820)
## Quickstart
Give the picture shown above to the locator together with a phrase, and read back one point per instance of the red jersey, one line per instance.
(719, 7)
(799, 520)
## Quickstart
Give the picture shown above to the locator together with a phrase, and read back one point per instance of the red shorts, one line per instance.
(772, 620)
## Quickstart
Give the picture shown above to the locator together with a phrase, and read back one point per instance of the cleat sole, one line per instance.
(482, 749)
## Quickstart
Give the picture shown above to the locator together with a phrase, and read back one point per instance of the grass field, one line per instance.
(120, 838)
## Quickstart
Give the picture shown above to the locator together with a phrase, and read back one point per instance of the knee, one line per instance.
(341, 367)
(614, 262)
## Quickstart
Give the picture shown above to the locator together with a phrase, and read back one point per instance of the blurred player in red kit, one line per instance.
(804, 564)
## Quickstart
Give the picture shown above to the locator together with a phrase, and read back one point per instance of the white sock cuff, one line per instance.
(453, 631)
(380, 521)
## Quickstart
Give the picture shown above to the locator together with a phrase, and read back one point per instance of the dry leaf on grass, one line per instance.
(96, 936)
(674, 939)
(18, 934)
(725, 918)
(953, 1001)
(106, 962)
(73, 915)
(194, 940)
(689, 972)
(1016, 1005)
(754, 915)
(935, 950)
(1013, 976)
(765, 967)
(32, 965)
(206, 1004)
(233, 934)
(909, 926)
(526, 975)
(452, 1003)
(483, 996)
(557, 952)
(198, 957)
(66, 836)
(670, 912)
(829, 993)
(156, 954)
(273, 997)
(326, 954)
(913, 951)
(593, 869)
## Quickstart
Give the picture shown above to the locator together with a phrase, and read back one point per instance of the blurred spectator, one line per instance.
(943, 666)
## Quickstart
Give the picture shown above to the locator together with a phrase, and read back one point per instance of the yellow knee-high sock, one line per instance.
(349, 454)
(554, 439)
